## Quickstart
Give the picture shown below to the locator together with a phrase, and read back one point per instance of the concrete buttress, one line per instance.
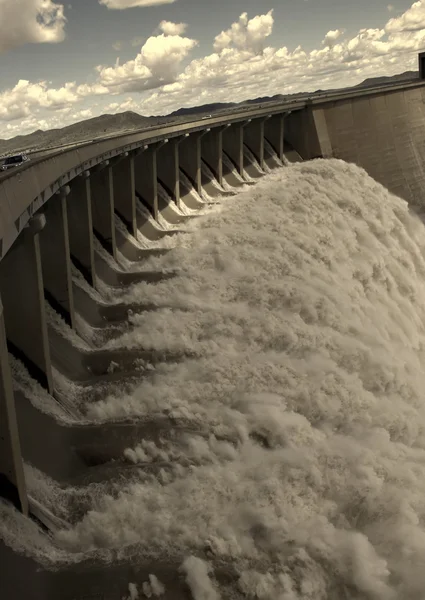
(125, 193)
(102, 198)
(56, 257)
(274, 133)
(254, 139)
(80, 226)
(190, 159)
(12, 479)
(233, 147)
(168, 169)
(145, 176)
(22, 292)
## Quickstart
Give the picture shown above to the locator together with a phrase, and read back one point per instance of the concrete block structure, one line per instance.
(72, 227)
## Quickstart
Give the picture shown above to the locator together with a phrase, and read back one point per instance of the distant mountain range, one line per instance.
(372, 81)
(127, 121)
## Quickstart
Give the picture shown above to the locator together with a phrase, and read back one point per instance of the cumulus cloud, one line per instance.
(169, 28)
(411, 20)
(156, 64)
(30, 22)
(241, 65)
(21, 100)
(331, 37)
(246, 34)
(123, 4)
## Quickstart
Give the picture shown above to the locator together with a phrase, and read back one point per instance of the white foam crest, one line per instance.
(37, 395)
(56, 321)
(198, 579)
(106, 256)
(79, 280)
(305, 308)
(25, 537)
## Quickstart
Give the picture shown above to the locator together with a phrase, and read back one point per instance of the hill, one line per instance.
(81, 131)
(127, 121)
(371, 81)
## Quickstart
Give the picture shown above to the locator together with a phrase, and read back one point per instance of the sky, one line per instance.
(64, 62)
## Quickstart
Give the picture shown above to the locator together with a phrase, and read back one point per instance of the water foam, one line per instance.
(305, 307)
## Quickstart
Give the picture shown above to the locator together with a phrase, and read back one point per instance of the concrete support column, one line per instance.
(22, 292)
(254, 139)
(168, 169)
(102, 198)
(190, 159)
(145, 177)
(125, 192)
(12, 479)
(80, 226)
(212, 151)
(274, 134)
(233, 145)
(56, 257)
(421, 59)
(322, 133)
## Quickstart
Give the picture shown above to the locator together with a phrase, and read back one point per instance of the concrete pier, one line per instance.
(102, 198)
(254, 139)
(80, 226)
(56, 257)
(22, 292)
(125, 192)
(168, 169)
(190, 159)
(12, 479)
(145, 177)
(233, 146)
(274, 134)
(211, 152)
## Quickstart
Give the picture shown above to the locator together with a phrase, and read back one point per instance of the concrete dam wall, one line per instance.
(382, 132)
(77, 228)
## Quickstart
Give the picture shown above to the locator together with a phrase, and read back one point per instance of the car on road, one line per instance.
(206, 117)
(14, 161)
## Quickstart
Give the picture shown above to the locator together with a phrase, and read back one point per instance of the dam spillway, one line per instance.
(201, 377)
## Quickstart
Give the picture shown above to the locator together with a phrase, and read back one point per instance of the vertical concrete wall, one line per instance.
(274, 134)
(421, 61)
(80, 226)
(145, 177)
(102, 197)
(22, 292)
(125, 192)
(56, 258)
(254, 139)
(301, 133)
(211, 153)
(190, 159)
(168, 169)
(233, 147)
(384, 134)
(12, 480)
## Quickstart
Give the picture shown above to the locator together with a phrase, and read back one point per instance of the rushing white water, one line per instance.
(305, 311)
